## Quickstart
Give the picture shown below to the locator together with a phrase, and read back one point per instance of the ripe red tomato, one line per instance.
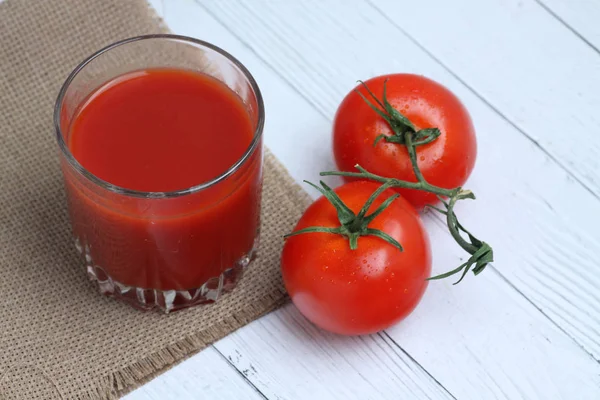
(364, 290)
(446, 162)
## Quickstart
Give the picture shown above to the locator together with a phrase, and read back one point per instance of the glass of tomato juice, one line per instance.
(160, 141)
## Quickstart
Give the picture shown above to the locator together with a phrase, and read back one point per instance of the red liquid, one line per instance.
(164, 130)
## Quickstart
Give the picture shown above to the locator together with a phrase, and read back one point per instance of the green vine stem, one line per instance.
(406, 134)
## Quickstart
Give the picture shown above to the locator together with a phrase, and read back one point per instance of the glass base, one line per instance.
(166, 300)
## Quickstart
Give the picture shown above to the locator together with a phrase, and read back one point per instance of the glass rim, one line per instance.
(175, 193)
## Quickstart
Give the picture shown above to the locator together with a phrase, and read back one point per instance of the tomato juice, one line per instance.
(149, 234)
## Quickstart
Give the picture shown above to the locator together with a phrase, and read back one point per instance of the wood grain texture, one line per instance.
(482, 339)
(537, 233)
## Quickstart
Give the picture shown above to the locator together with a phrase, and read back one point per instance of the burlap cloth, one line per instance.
(58, 337)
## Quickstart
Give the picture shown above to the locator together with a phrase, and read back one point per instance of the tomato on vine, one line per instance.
(427, 154)
(350, 275)
(446, 162)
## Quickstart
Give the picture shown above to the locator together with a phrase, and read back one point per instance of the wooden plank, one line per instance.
(207, 375)
(322, 68)
(579, 16)
(282, 354)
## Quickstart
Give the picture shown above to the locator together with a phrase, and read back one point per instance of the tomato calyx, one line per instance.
(399, 124)
(353, 225)
(406, 134)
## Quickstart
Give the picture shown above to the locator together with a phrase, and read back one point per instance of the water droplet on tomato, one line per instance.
(366, 278)
(325, 267)
(364, 261)
(321, 278)
(392, 274)
(405, 290)
(386, 268)
(422, 158)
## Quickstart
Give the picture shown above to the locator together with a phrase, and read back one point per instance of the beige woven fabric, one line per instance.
(58, 337)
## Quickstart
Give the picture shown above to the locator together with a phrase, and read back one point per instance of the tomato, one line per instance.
(446, 162)
(359, 291)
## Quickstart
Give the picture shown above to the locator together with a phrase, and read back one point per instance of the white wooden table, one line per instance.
(529, 72)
